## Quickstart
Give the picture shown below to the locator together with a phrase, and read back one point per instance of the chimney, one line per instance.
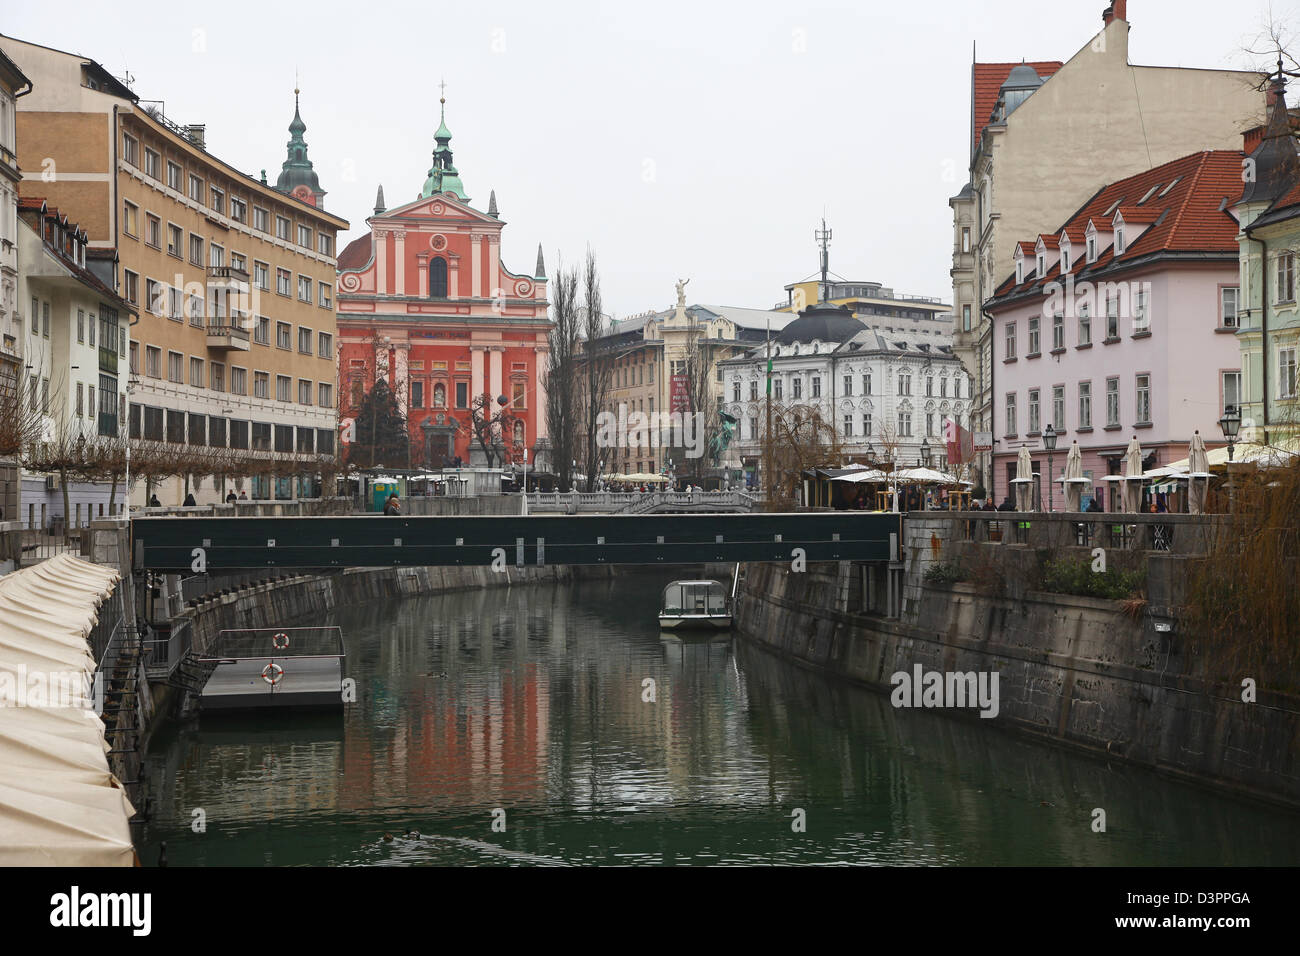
(1252, 138)
(197, 134)
(1118, 10)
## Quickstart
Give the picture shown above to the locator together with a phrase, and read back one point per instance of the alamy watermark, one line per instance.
(626, 429)
(922, 688)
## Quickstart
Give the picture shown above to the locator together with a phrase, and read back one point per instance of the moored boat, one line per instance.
(695, 604)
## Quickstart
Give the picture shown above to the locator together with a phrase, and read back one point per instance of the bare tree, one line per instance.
(800, 439)
(561, 375)
(491, 423)
(598, 368)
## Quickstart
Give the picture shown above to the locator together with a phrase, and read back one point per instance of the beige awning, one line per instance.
(60, 804)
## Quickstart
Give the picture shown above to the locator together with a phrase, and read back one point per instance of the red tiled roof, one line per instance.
(1190, 217)
(1290, 198)
(987, 80)
(356, 254)
(1137, 214)
(1050, 242)
(1026, 247)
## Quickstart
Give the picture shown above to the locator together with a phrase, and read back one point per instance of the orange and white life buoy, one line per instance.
(280, 640)
(272, 673)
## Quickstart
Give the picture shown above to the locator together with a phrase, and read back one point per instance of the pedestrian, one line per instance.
(189, 500)
(230, 498)
(1094, 506)
(243, 496)
(1006, 504)
(154, 502)
(392, 507)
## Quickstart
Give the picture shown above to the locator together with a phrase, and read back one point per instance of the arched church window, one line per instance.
(438, 278)
(440, 396)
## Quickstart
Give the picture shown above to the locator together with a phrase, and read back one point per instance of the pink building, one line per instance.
(1122, 322)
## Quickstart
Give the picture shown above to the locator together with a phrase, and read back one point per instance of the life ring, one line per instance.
(280, 640)
(272, 673)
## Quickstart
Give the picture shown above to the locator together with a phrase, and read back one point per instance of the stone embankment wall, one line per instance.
(1075, 671)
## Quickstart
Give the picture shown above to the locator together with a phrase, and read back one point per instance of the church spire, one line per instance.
(492, 205)
(379, 201)
(443, 177)
(297, 178)
(540, 271)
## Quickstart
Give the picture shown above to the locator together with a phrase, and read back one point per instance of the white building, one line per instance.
(13, 84)
(880, 390)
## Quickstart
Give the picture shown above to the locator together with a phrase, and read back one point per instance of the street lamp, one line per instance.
(1230, 424)
(1049, 442)
(926, 454)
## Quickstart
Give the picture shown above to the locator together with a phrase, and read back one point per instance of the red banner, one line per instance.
(959, 441)
(681, 394)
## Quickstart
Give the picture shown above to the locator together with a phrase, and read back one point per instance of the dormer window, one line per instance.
(1040, 263)
(1020, 270)
(1065, 258)
(1092, 248)
(1119, 240)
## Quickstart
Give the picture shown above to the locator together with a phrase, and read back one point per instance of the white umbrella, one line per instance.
(1198, 463)
(1074, 480)
(1024, 480)
(1133, 476)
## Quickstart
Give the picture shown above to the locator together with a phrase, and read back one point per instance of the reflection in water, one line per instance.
(597, 739)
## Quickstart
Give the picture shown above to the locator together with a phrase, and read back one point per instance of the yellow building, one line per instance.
(234, 278)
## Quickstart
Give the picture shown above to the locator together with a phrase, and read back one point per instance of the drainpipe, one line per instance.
(1263, 320)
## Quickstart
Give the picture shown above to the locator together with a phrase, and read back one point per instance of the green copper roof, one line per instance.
(297, 169)
(443, 176)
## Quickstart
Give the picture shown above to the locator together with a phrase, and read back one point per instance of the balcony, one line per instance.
(227, 338)
(227, 277)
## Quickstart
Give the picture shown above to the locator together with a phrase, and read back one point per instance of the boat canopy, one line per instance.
(695, 597)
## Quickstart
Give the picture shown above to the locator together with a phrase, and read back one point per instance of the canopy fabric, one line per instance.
(869, 476)
(1198, 463)
(1278, 453)
(60, 804)
(1024, 480)
(1073, 478)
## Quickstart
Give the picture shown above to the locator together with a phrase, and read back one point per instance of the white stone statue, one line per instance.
(681, 293)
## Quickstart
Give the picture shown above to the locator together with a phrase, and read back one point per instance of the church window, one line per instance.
(438, 278)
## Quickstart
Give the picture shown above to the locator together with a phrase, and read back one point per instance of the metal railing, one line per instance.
(1174, 533)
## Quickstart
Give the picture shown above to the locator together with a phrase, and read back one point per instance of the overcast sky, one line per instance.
(695, 139)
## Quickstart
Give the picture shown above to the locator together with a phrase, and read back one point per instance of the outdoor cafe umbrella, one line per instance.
(1133, 476)
(1074, 480)
(1198, 464)
(1024, 480)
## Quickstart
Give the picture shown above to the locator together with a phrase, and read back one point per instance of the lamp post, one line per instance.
(1230, 424)
(525, 488)
(1049, 442)
(926, 454)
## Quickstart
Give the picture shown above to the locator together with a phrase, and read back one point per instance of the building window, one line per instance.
(438, 278)
(304, 341)
(217, 376)
(796, 388)
(1020, 270)
(866, 424)
(175, 367)
(130, 218)
(196, 250)
(283, 383)
(131, 288)
(175, 238)
(965, 239)
(262, 275)
(261, 385)
(81, 326)
(283, 281)
(735, 390)
(816, 386)
(1142, 314)
(196, 372)
(238, 380)
(904, 383)
(1033, 338)
(1112, 317)
(848, 426)
(218, 202)
(1040, 265)
(462, 394)
(174, 177)
(1058, 331)
(1085, 325)
(325, 345)
(1092, 248)
(866, 383)
(1065, 259)
(324, 244)
(1228, 297)
(753, 391)
(261, 219)
(135, 358)
(1033, 411)
(325, 299)
(196, 188)
(153, 231)
(1286, 377)
(1085, 404)
(262, 330)
(929, 424)
(325, 397)
(1058, 407)
(216, 256)
(304, 392)
(131, 149)
(283, 335)
(304, 289)
(904, 424)
(1010, 347)
(238, 210)
(282, 227)
(776, 389)
(1143, 383)
(965, 318)
(1119, 240)
(929, 386)
(1231, 390)
(304, 236)
(197, 310)
(848, 386)
(1112, 403)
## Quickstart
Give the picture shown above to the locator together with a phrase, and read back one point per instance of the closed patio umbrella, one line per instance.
(1024, 480)
(1133, 476)
(1074, 480)
(1198, 465)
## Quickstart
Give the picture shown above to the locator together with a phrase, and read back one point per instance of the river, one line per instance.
(555, 725)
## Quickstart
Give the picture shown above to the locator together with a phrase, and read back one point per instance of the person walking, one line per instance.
(392, 507)
(231, 499)
(154, 502)
(189, 501)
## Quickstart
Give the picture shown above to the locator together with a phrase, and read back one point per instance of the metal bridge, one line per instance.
(185, 545)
